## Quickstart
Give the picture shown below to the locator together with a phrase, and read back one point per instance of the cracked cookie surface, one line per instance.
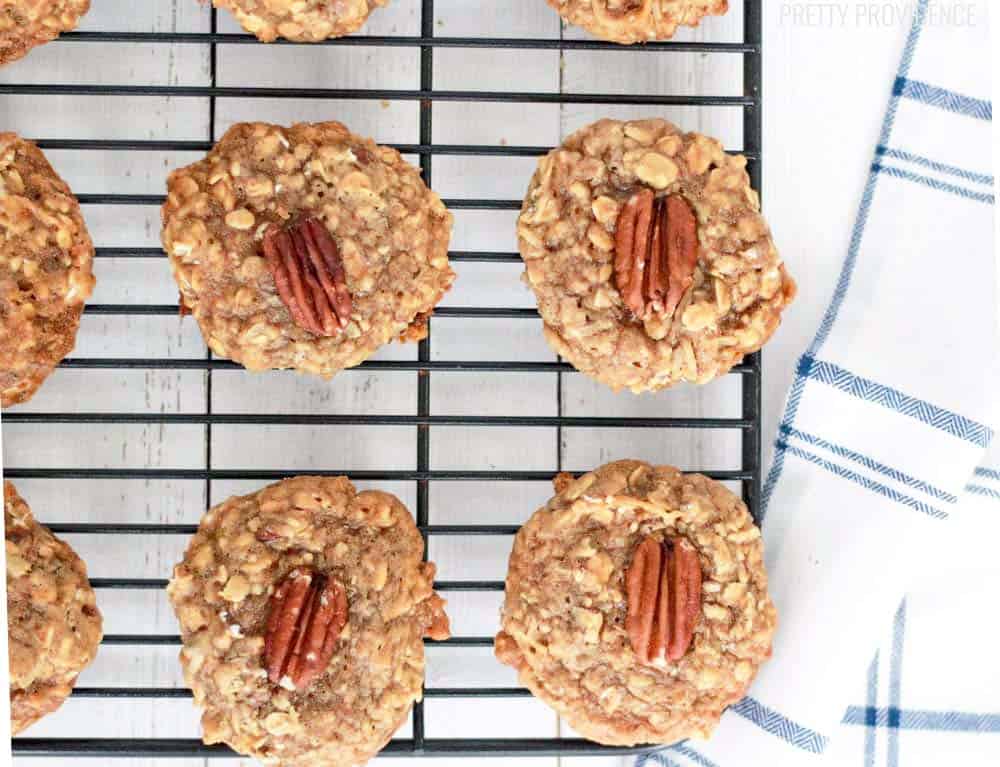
(25, 24)
(636, 21)
(564, 624)
(46, 260)
(733, 284)
(306, 21)
(239, 594)
(388, 262)
(53, 625)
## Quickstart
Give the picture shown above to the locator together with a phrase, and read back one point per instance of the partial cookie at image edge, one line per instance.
(53, 624)
(636, 21)
(46, 269)
(26, 24)
(305, 21)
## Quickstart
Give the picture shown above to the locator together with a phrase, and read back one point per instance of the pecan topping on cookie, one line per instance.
(308, 612)
(656, 251)
(309, 275)
(663, 586)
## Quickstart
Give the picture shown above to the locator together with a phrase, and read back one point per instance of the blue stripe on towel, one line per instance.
(919, 719)
(657, 757)
(988, 473)
(663, 757)
(986, 492)
(693, 755)
(766, 718)
(779, 725)
(942, 98)
(939, 167)
(870, 723)
(865, 482)
(778, 462)
(870, 463)
(893, 399)
(940, 186)
(896, 684)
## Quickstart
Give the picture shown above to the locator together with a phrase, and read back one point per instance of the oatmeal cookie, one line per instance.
(636, 21)
(46, 272)
(649, 257)
(25, 24)
(637, 603)
(305, 21)
(53, 625)
(303, 609)
(305, 247)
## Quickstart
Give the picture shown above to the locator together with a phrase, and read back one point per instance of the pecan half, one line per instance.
(309, 274)
(663, 586)
(308, 612)
(656, 251)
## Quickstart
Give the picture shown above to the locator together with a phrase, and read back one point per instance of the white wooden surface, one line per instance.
(301, 447)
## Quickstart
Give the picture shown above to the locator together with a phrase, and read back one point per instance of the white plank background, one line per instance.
(304, 447)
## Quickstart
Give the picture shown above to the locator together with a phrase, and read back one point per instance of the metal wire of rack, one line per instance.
(747, 424)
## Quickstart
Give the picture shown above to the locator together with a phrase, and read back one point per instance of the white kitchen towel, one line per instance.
(891, 409)
(929, 695)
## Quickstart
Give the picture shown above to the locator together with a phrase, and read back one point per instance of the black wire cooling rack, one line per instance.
(748, 424)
